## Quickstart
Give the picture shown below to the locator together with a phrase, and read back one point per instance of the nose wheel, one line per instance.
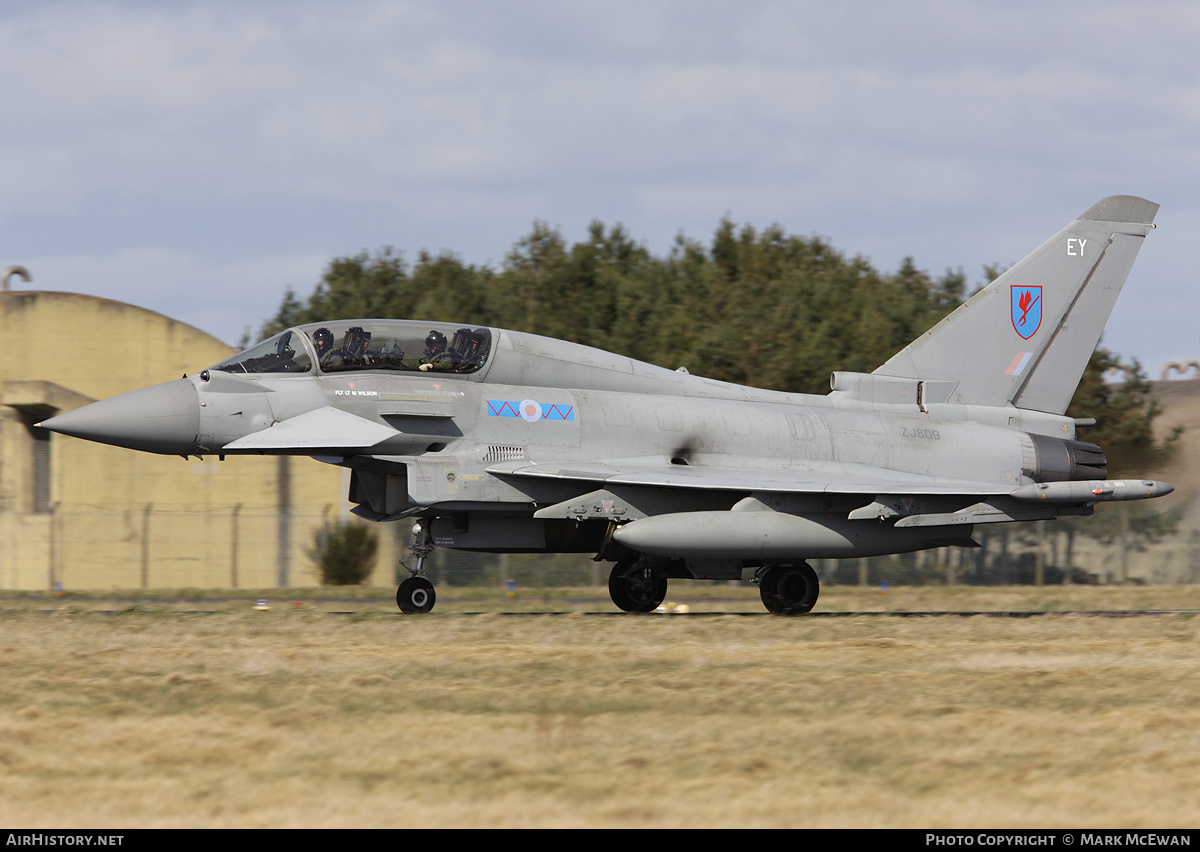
(416, 594)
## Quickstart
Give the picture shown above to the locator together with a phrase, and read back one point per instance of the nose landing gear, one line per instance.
(416, 594)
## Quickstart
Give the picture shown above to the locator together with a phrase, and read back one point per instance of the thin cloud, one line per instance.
(200, 138)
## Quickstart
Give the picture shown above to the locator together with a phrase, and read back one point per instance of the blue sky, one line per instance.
(198, 158)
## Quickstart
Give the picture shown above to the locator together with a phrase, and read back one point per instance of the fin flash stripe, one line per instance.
(1019, 363)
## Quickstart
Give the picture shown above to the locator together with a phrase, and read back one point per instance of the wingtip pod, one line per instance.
(1094, 491)
(1122, 208)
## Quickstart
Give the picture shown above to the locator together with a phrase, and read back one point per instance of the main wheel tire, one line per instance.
(416, 594)
(789, 589)
(635, 586)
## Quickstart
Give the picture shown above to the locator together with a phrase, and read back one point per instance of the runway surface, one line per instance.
(1116, 613)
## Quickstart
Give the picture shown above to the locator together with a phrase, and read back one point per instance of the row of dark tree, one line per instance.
(761, 308)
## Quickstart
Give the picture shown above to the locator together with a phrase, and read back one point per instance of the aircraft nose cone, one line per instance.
(159, 419)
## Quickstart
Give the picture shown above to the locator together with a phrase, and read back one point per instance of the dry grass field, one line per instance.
(143, 715)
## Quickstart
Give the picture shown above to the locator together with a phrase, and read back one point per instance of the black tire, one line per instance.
(415, 594)
(635, 586)
(789, 589)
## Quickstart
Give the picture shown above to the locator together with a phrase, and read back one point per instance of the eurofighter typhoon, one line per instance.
(500, 441)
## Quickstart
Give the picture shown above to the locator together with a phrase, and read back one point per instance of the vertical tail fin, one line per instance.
(1026, 338)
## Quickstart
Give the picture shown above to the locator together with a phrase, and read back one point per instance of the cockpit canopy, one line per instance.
(399, 345)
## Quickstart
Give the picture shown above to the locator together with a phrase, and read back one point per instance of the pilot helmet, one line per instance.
(323, 338)
(435, 342)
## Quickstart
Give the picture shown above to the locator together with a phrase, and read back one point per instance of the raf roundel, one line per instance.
(531, 410)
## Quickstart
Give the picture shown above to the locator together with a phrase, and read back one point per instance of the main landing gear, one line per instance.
(416, 594)
(636, 584)
(639, 584)
(788, 589)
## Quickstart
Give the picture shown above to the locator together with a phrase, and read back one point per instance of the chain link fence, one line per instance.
(149, 547)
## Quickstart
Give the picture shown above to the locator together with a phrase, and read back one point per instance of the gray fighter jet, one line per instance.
(508, 442)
